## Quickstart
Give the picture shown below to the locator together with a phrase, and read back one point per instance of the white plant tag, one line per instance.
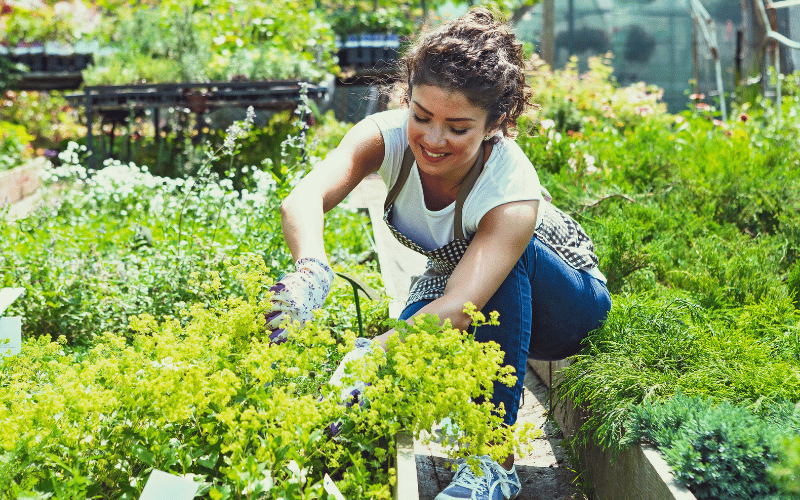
(331, 488)
(163, 486)
(10, 336)
(8, 296)
(10, 328)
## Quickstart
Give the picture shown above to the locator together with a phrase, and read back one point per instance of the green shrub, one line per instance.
(14, 145)
(120, 241)
(793, 281)
(720, 451)
(176, 42)
(44, 115)
(650, 348)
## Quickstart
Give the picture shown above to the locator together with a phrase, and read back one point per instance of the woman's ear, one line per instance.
(496, 125)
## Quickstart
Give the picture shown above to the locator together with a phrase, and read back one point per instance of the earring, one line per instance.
(486, 138)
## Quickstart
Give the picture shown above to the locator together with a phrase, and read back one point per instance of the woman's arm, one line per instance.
(502, 236)
(302, 212)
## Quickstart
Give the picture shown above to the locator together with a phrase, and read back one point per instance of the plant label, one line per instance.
(8, 296)
(10, 336)
(163, 486)
(331, 488)
(10, 328)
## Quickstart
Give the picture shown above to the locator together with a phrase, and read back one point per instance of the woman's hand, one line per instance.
(302, 220)
(351, 394)
(297, 294)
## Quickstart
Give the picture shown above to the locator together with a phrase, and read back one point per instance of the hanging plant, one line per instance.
(640, 45)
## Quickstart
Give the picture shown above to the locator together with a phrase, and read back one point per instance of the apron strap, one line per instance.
(402, 177)
(463, 191)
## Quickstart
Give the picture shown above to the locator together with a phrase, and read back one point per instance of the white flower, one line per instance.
(573, 164)
(547, 124)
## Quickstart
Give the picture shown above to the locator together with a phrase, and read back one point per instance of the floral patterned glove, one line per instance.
(351, 394)
(297, 294)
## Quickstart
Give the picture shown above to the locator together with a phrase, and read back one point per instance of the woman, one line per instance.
(462, 193)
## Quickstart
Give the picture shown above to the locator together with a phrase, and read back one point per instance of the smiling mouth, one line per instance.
(433, 155)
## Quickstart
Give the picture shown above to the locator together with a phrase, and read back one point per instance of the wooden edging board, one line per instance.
(20, 182)
(637, 473)
(407, 486)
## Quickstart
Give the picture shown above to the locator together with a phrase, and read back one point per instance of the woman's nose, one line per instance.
(434, 136)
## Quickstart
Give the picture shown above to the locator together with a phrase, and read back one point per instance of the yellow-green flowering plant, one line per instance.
(206, 396)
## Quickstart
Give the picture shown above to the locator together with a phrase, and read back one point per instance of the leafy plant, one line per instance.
(121, 241)
(46, 116)
(179, 41)
(205, 394)
(721, 451)
(14, 145)
(793, 281)
(28, 23)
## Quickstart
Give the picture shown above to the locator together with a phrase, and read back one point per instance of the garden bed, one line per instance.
(636, 473)
(21, 182)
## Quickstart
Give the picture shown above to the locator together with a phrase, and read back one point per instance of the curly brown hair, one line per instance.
(478, 55)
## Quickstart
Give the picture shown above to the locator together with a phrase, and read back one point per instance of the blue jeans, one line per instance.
(546, 310)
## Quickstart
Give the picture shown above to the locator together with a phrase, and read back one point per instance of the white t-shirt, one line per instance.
(507, 176)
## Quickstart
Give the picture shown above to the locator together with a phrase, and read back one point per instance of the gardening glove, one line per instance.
(297, 294)
(351, 394)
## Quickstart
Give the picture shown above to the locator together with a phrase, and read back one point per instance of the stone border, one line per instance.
(636, 473)
(20, 182)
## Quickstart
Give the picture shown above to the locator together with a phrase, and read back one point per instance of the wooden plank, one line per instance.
(407, 487)
(22, 181)
(636, 473)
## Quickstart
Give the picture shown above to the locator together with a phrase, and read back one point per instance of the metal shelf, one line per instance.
(117, 101)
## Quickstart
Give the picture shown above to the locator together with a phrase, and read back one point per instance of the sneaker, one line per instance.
(495, 483)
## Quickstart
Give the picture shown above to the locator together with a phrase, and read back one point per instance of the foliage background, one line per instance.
(694, 219)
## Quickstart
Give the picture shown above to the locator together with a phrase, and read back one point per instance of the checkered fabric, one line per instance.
(557, 230)
(443, 260)
(566, 237)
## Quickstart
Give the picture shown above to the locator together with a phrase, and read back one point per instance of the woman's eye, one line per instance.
(419, 119)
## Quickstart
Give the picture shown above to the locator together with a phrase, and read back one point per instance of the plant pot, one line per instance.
(196, 101)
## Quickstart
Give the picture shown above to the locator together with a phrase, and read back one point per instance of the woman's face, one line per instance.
(445, 131)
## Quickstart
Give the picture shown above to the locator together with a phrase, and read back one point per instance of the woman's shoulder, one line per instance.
(391, 119)
(508, 157)
(508, 174)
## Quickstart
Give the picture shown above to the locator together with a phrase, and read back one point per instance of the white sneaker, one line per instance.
(495, 483)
